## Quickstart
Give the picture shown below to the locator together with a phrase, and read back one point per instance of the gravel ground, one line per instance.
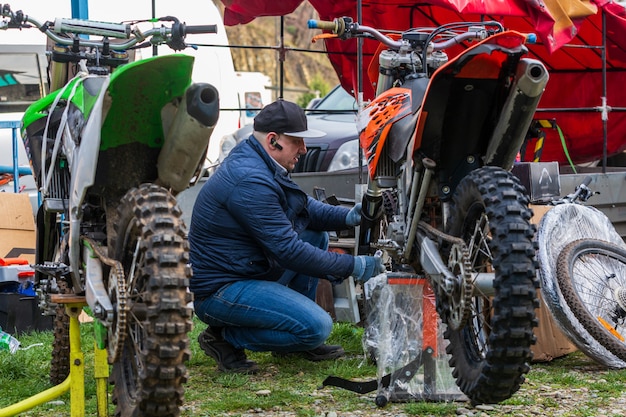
(567, 403)
(545, 393)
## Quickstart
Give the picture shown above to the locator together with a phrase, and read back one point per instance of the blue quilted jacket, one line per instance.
(245, 225)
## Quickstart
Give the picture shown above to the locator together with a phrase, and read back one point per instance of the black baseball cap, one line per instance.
(285, 117)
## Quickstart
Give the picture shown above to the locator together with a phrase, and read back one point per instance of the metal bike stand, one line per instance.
(75, 382)
(431, 392)
(390, 387)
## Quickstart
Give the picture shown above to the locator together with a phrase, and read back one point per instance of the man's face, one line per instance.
(292, 148)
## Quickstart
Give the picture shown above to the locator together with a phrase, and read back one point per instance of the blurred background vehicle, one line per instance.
(253, 93)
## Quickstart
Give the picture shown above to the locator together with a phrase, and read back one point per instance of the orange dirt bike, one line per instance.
(110, 147)
(439, 139)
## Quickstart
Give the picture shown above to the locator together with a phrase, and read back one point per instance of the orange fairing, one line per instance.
(483, 66)
(488, 66)
(376, 120)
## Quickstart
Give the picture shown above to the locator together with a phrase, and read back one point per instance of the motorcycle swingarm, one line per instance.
(96, 292)
(441, 276)
(434, 266)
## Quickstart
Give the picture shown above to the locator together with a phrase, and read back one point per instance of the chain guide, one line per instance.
(453, 309)
(119, 299)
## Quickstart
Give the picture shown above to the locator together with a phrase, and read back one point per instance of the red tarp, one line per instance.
(570, 34)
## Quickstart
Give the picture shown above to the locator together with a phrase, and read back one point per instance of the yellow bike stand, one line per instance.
(75, 382)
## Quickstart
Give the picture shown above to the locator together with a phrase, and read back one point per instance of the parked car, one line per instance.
(331, 161)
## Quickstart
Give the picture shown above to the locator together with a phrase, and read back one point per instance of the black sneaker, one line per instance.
(227, 357)
(320, 353)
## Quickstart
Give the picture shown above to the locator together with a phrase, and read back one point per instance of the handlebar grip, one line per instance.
(201, 29)
(587, 181)
(531, 38)
(323, 24)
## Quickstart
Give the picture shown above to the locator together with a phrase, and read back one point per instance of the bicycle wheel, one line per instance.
(591, 274)
(560, 226)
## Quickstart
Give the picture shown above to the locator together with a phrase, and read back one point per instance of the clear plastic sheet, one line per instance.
(560, 226)
(405, 332)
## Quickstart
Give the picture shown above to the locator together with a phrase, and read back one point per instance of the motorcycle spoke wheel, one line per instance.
(51, 251)
(60, 360)
(151, 245)
(591, 275)
(491, 353)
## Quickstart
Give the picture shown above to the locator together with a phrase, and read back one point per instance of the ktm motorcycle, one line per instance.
(110, 146)
(439, 139)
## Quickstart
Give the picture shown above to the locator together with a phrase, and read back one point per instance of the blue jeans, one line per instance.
(262, 316)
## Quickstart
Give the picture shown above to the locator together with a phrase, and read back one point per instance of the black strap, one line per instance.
(403, 374)
(360, 387)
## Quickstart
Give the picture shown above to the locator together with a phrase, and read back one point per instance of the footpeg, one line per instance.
(53, 269)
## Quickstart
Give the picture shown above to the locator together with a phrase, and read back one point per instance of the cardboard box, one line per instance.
(541, 179)
(551, 342)
(17, 227)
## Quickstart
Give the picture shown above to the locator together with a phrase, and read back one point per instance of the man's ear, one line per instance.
(275, 143)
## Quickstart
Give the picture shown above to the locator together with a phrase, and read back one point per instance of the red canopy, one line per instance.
(571, 46)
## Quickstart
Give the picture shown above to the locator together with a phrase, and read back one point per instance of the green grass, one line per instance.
(294, 385)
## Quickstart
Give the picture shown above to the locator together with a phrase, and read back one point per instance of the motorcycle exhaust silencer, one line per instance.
(517, 114)
(188, 135)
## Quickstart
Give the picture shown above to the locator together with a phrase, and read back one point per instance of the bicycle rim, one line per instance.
(591, 274)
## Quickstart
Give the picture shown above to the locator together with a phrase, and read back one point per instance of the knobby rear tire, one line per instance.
(491, 353)
(151, 371)
(60, 360)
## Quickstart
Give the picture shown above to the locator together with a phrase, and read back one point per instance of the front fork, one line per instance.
(372, 203)
(430, 259)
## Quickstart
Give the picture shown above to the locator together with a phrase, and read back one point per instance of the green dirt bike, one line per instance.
(110, 147)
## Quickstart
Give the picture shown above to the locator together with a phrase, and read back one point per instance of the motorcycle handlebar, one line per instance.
(345, 28)
(582, 193)
(171, 36)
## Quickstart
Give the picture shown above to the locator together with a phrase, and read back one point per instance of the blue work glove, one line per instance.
(354, 215)
(366, 267)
